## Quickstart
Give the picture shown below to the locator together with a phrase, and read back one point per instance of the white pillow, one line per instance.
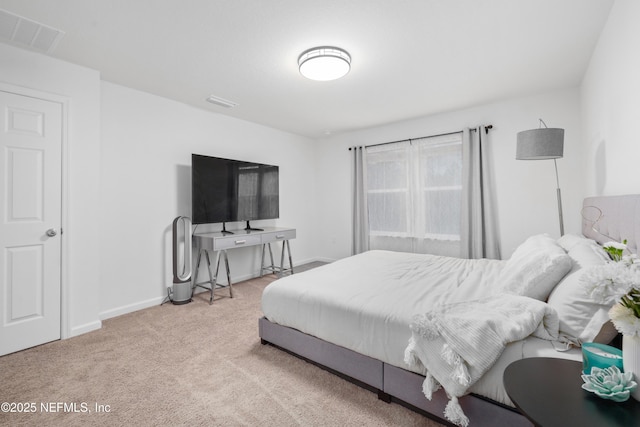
(535, 268)
(581, 318)
(568, 241)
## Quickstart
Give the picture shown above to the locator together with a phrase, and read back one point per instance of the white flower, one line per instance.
(617, 281)
(607, 283)
(624, 320)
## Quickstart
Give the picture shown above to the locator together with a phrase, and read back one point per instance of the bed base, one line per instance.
(389, 382)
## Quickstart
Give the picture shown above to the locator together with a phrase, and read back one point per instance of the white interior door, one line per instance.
(30, 219)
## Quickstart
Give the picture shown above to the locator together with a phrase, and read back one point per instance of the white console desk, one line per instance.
(219, 243)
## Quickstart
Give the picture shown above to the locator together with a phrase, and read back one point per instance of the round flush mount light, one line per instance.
(324, 63)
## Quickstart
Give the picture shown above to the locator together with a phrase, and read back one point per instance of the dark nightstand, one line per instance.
(548, 392)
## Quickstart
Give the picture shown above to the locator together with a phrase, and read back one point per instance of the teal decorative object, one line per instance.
(600, 356)
(609, 383)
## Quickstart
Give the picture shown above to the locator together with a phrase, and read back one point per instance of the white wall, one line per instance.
(145, 159)
(525, 190)
(611, 104)
(82, 233)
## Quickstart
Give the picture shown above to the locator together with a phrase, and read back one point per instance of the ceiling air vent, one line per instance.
(221, 102)
(28, 33)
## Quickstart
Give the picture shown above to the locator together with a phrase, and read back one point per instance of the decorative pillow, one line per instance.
(581, 318)
(535, 268)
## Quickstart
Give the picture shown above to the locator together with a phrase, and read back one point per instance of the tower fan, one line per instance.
(181, 291)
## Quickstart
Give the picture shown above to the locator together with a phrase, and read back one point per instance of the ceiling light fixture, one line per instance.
(324, 63)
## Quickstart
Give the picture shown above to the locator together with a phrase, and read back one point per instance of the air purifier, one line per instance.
(181, 291)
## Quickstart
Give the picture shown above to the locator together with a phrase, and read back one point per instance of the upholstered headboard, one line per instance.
(607, 218)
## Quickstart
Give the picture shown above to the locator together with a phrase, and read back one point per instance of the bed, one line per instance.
(352, 316)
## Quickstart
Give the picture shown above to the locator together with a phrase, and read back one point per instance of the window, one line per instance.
(440, 186)
(414, 188)
(388, 191)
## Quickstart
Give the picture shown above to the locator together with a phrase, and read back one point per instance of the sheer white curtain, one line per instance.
(479, 235)
(414, 192)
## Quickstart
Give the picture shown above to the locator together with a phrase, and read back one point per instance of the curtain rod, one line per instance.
(486, 129)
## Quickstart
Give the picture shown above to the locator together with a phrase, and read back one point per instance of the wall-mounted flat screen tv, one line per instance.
(226, 190)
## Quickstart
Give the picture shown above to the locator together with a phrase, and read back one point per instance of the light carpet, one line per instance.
(193, 364)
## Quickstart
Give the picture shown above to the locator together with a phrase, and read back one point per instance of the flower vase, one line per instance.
(631, 359)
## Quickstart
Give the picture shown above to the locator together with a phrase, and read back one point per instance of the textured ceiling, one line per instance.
(410, 58)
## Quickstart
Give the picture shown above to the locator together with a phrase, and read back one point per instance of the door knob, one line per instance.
(52, 232)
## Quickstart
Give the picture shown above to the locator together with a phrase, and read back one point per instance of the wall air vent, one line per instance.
(221, 102)
(25, 32)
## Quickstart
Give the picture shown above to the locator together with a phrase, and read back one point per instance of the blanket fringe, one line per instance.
(425, 326)
(460, 373)
(430, 386)
(454, 413)
(410, 357)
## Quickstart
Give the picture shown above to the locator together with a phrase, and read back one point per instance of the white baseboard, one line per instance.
(320, 259)
(83, 329)
(130, 308)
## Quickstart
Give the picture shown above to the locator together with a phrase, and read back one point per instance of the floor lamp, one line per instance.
(543, 144)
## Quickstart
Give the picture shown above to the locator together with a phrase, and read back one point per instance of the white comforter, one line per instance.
(366, 302)
(371, 285)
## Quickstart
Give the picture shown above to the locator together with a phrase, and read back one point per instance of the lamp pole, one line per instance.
(559, 199)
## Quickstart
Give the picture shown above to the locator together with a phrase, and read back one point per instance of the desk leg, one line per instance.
(226, 262)
(271, 256)
(212, 279)
(272, 267)
(195, 278)
(289, 252)
(282, 259)
(285, 246)
(262, 267)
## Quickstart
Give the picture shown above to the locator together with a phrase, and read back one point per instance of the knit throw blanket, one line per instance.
(457, 343)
